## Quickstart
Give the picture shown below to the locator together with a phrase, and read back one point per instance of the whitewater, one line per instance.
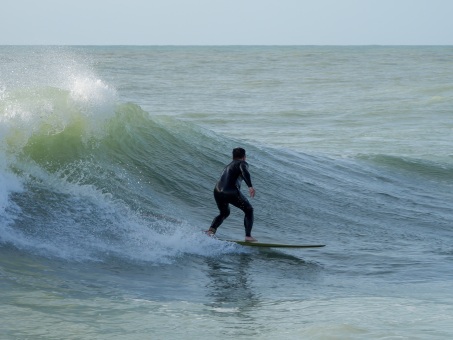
(109, 156)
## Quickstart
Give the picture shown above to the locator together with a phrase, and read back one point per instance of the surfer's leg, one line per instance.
(243, 203)
(224, 209)
(248, 220)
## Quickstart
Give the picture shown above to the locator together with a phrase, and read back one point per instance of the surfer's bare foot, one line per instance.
(210, 232)
(250, 239)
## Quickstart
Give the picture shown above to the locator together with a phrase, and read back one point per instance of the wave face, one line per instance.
(84, 178)
(87, 179)
(85, 175)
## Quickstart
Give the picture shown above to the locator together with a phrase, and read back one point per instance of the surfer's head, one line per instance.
(238, 153)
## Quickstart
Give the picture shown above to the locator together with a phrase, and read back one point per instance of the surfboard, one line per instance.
(275, 245)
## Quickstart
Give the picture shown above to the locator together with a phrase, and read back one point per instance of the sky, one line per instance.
(226, 22)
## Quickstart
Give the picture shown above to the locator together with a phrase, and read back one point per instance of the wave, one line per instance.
(86, 177)
(427, 169)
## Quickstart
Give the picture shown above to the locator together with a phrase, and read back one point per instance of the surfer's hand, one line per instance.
(252, 192)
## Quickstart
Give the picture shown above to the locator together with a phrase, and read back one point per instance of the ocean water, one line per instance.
(108, 159)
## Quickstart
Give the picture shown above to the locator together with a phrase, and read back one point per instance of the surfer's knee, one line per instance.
(225, 213)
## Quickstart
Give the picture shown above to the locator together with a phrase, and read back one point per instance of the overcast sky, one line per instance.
(226, 22)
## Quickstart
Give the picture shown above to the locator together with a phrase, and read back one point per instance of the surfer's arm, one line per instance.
(243, 166)
(247, 179)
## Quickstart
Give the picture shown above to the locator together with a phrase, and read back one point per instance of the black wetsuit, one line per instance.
(227, 191)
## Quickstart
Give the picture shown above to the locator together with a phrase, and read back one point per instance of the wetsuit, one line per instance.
(227, 191)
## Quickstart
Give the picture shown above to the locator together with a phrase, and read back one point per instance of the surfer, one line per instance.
(227, 191)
